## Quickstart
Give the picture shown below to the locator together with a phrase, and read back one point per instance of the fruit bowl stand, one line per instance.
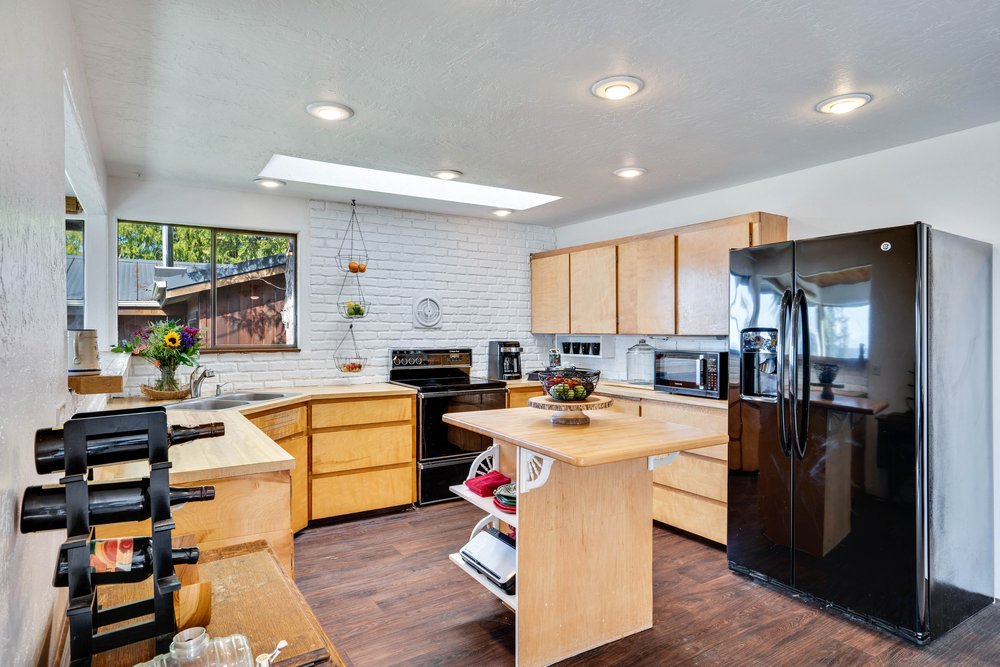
(570, 412)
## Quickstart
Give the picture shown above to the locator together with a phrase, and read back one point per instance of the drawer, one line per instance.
(695, 514)
(518, 398)
(623, 405)
(347, 493)
(351, 449)
(699, 475)
(283, 424)
(710, 419)
(331, 414)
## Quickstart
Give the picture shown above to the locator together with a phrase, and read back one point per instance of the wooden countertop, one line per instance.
(634, 392)
(608, 438)
(244, 449)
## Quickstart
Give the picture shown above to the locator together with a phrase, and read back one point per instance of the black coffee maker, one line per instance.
(505, 360)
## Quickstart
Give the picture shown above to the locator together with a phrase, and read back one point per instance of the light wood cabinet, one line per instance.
(363, 455)
(550, 294)
(667, 282)
(646, 285)
(517, 397)
(593, 292)
(690, 492)
(288, 428)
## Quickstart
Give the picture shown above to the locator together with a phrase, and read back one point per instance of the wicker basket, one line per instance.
(157, 395)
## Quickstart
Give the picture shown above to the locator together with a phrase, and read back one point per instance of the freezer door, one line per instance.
(854, 472)
(759, 505)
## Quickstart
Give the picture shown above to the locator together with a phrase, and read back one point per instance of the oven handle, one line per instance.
(446, 394)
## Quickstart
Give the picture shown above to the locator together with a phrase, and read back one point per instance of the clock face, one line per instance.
(426, 312)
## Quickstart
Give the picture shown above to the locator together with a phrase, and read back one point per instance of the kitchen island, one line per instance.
(584, 529)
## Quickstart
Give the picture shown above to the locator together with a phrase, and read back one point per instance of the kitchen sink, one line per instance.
(207, 403)
(232, 399)
(254, 396)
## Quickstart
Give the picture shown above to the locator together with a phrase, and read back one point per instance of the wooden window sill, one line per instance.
(114, 369)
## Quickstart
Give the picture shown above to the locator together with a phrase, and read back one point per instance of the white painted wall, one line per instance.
(479, 268)
(38, 62)
(951, 182)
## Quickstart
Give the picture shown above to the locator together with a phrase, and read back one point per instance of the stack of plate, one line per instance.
(505, 498)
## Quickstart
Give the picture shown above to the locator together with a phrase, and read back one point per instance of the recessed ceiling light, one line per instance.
(502, 212)
(617, 87)
(447, 174)
(330, 110)
(269, 182)
(844, 103)
(629, 172)
(375, 180)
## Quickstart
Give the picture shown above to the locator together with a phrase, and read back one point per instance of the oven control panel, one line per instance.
(461, 357)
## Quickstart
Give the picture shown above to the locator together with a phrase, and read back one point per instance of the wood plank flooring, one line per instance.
(386, 594)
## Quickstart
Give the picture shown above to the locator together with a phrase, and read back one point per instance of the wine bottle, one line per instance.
(121, 561)
(44, 507)
(50, 448)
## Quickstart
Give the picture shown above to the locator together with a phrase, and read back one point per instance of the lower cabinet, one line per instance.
(517, 397)
(690, 492)
(363, 455)
(288, 428)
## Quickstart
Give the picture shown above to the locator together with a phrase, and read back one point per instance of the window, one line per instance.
(74, 274)
(237, 287)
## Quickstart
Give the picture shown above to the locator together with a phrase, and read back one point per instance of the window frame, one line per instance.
(210, 347)
(81, 223)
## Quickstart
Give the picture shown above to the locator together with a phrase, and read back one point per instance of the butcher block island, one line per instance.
(583, 522)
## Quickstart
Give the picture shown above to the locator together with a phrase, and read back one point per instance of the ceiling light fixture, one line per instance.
(844, 103)
(375, 180)
(269, 182)
(329, 110)
(502, 212)
(447, 174)
(629, 172)
(617, 87)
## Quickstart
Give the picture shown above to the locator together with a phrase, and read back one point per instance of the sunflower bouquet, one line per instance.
(167, 345)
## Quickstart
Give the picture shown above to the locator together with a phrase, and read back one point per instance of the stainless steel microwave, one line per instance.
(701, 374)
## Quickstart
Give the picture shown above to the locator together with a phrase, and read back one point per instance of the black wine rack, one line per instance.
(86, 618)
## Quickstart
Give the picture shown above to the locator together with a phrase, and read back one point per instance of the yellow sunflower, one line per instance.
(172, 339)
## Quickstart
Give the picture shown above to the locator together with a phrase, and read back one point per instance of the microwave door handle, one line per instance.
(700, 365)
(802, 434)
(783, 317)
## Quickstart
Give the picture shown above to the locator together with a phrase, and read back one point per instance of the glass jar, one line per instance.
(639, 363)
(194, 648)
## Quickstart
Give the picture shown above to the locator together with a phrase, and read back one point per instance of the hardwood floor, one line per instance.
(385, 592)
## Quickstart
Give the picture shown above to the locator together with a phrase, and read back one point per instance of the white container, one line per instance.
(81, 352)
(194, 648)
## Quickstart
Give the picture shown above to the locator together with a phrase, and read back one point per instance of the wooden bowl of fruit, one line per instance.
(569, 384)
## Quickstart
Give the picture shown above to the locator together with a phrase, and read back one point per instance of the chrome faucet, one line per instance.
(197, 379)
(218, 387)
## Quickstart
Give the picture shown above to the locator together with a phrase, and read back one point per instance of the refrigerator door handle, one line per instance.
(800, 326)
(783, 316)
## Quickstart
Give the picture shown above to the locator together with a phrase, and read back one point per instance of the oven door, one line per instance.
(679, 370)
(445, 441)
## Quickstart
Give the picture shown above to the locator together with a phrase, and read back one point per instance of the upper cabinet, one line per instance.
(670, 282)
(550, 294)
(592, 297)
(646, 285)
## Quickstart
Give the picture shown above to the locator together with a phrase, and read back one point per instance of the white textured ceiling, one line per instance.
(205, 91)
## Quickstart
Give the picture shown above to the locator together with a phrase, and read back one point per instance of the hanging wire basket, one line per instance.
(346, 362)
(352, 257)
(351, 301)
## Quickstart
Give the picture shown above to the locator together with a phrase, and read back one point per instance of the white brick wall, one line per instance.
(478, 269)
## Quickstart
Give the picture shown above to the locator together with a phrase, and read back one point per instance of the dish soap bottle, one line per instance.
(639, 364)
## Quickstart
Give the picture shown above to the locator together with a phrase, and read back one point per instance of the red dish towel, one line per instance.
(485, 485)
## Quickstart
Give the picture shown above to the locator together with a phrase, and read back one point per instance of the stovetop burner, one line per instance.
(436, 371)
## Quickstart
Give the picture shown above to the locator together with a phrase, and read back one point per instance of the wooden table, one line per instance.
(251, 595)
(584, 523)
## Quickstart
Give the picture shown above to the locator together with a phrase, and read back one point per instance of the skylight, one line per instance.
(287, 168)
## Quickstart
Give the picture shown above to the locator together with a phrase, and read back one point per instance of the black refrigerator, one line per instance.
(861, 457)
